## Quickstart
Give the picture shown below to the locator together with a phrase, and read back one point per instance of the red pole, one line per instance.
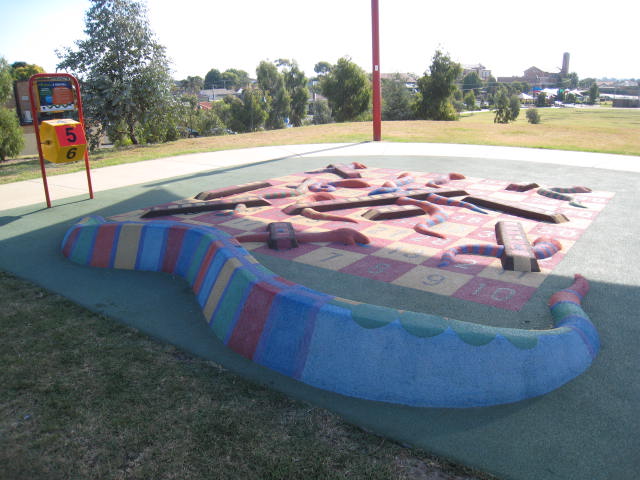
(377, 94)
(81, 120)
(36, 127)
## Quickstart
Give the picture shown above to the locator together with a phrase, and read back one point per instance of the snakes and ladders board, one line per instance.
(398, 254)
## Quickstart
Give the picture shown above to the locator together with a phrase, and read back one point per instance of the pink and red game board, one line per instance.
(399, 255)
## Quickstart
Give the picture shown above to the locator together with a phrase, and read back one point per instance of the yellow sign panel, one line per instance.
(63, 140)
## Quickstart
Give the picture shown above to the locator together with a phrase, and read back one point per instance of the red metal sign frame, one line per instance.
(35, 104)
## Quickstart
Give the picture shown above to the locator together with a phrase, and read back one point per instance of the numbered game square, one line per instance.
(271, 214)
(435, 243)
(454, 229)
(433, 280)
(467, 264)
(509, 196)
(402, 252)
(329, 258)
(487, 186)
(474, 219)
(529, 279)
(486, 234)
(559, 231)
(295, 179)
(290, 254)
(384, 270)
(247, 224)
(579, 216)
(509, 296)
(386, 231)
(303, 223)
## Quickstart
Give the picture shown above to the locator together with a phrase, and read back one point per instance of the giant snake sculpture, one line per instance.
(340, 345)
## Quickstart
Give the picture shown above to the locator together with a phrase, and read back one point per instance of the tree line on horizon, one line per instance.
(130, 95)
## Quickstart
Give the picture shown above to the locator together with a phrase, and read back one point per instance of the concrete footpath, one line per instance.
(587, 429)
(69, 185)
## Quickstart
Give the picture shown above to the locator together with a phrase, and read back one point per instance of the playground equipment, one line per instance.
(60, 140)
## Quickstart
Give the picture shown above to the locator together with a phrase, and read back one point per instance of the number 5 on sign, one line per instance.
(62, 140)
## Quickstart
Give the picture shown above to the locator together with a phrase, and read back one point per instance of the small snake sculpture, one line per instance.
(345, 182)
(543, 247)
(393, 186)
(315, 215)
(452, 202)
(443, 180)
(437, 216)
(571, 189)
(554, 193)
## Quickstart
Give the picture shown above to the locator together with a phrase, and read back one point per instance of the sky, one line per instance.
(505, 36)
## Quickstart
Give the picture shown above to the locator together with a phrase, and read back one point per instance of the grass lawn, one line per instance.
(84, 397)
(605, 130)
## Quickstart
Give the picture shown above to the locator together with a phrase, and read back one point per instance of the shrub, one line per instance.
(11, 139)
(507, 108)
(533, 116)
(321, 112)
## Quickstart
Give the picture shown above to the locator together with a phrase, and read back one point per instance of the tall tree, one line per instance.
(573, 80)
(507, 107)
(296, 84)
(320, 111)
(23, 70)
(213, 79)
(436, 89)
(255, 108)
(11, 138)
(191, 85)
(594, 93)
(469, 100)
(125, 73)
(244, 115)
(347, 89)
(472, 82)
(271, 81)
(322, 68)
(234, 79)
(396, 99)
(6, 81)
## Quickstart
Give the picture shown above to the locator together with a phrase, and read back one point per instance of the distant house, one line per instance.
(627, 102)
(540, 79)
(483, 72)
(410, 79)
(22, 102)
(213, 94)
(534, 77)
